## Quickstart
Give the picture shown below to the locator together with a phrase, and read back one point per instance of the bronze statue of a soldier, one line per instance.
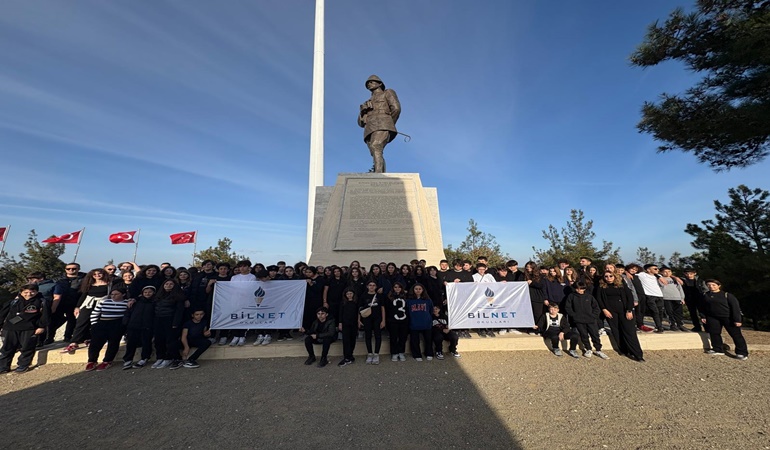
(378, 117)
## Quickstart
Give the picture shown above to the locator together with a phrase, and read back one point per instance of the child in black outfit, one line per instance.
(583, 309)
(196, 334)
(349, 325)
(24, 320)
(441, 333)
(555, 327)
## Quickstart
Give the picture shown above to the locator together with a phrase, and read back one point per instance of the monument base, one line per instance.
(375, 217)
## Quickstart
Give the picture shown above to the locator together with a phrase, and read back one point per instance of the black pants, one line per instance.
(537, 310)
(624, 333)
(65, 313)
(324, 342)
(714, 327)
(552, 333)
(427, 339)
(591, 330)
(82, 326)
(349, 336)
(372, 325)
(399, 333)
(105, 332)
(15, 341)
(166, 338)
(675, 312)
(653, 307)
(141, 337)
(439, 337)
(692, 307)
(201, 344)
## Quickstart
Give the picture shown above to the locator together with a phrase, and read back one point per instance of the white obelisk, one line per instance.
(316, 177)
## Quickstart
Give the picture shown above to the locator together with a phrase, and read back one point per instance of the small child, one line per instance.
(196, 334)
(555, 327)
(441, 333)
(349, 325)
(420, 308)
(583, 309)
(24, 320)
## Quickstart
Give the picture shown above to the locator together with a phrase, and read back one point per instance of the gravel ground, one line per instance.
(533, 400)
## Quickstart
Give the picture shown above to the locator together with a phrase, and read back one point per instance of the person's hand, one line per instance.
(185, 352)
(681, 302)
(561, 336)
(446, 330)
(545, 302)
(382, 325)
(360, 325)
(314, 336)
(379, 291)
(678, 281)
(131, 302)
(77, 312)
(738, 324)
(212, 282)
(607, 313)
(339, 327)
(703, 320)
(629, 315)
(206, 332)
(326, 305)
(40, 331)
(301, 329)
(663, 281)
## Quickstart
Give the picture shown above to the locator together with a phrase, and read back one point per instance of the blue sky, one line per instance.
(173, 116)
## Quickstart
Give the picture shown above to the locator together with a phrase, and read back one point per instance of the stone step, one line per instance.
(670, 340)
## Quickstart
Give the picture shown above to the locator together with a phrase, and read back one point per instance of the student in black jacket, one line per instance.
(24, 319)
(617, 304)
(583, 309)
(139, 328)
(555, 327)
(323, 331)
(350, 323)
(721, 309)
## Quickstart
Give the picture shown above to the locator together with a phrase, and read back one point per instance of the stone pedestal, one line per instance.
(374, 217)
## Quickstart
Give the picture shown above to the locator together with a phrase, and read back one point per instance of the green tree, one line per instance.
(575, 241)
(734, 249)
(221, 253)
(37, 258)
(724, 119)
(476, 244)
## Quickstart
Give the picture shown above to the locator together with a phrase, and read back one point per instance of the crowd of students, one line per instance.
(167, 308)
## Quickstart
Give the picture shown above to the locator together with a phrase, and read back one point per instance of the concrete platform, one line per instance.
(670, 340)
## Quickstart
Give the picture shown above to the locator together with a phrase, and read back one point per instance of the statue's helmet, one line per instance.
(374, 78)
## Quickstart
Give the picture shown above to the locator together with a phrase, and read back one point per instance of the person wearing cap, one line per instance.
(322, 331)
(139, 328)
(693, 288)
(378, 117)
(23, 321)
(722, 310)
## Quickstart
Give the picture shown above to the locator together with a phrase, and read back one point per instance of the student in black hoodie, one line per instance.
(24, 320)
(167, 326)
(582, 308)
(139, 322)
(350, 323)
(555, 327)
(722, 310)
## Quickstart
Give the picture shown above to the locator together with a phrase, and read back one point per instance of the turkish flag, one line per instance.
(69, 238)
(183, 238)
(3, 231)
(124, 237)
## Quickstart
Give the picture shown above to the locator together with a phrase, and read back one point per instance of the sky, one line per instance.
(172, 116)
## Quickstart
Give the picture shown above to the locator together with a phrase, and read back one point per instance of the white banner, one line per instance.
(489, 305)
(258, 304)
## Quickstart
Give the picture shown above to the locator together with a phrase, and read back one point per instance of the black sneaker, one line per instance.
(323, 362)
(343, 363)
(659, 330)
(191, 364)
(490, 334)
(310, 360)
(22, 369)
(482, 333)
(175, 364)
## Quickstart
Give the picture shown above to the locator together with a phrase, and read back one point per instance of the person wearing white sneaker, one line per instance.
(260, 338)
(268, 339)
(722, 310)
(583, 309)
(165, 363)
(601, 354)
(195, 333)
(441, 332)
(420, 310)
(157, 364)
(234, 342)
(241, 341)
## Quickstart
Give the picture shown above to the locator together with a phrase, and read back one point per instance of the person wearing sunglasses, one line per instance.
(66, 294)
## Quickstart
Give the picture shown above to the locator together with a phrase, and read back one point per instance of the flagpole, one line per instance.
(5, 238)
(80, 239)
(195, 246)
(136, 248)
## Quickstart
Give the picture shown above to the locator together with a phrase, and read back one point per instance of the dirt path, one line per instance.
(681, 399)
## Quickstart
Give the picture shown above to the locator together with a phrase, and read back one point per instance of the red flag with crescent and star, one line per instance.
(183, 238)
(124, 237)
(3, 231)
(69, 238)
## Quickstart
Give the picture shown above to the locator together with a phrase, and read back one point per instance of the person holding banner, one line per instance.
(323, 331)
(420, 310)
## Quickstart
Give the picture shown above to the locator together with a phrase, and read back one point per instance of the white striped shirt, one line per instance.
(109, 309)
